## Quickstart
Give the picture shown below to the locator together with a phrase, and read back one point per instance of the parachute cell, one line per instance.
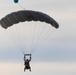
(16, 1)
(26, 15)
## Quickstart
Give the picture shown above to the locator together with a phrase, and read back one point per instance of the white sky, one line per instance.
(59, 52)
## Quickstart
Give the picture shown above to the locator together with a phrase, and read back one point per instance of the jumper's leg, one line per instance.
(30, 69)
(24, 69)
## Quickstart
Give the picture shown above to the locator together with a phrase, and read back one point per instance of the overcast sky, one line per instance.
(58, 55)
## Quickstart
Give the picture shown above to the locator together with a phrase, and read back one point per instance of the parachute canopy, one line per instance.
(26, 15)
(16, 1)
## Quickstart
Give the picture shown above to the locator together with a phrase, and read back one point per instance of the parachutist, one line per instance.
(27, 62)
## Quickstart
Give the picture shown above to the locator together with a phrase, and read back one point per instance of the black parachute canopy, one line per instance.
(26, 15)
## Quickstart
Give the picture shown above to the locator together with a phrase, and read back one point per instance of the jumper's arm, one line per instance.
(27, 55)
